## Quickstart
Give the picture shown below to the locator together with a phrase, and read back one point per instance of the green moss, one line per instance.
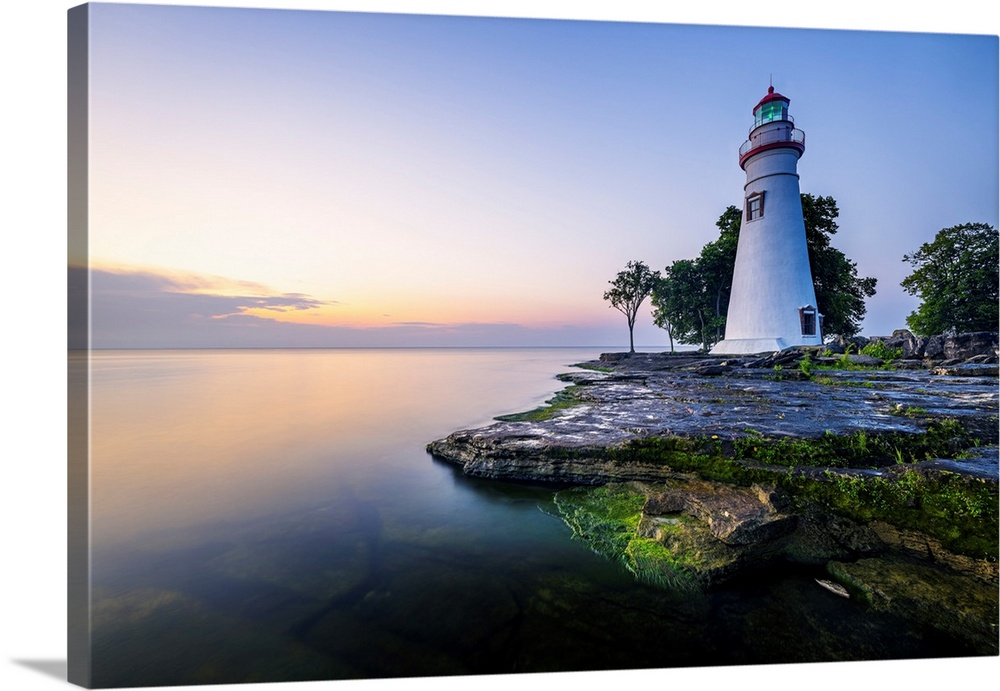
(607, 516)
(907, 411)
(607, 519)
(593, 368)
(566, 398)
(654, 563)
(713, 457)
(960, 512)
(942, 439)
(830, 381)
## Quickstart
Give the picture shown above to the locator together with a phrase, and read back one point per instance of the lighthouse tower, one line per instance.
(773, 303)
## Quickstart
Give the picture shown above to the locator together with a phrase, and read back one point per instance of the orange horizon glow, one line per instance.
(385, 308)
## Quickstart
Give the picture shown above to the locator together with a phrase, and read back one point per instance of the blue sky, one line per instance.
(427, 180)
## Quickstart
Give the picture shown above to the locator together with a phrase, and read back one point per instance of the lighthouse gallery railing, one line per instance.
(794, 136)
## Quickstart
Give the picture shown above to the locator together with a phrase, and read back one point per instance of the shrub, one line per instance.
(883, 352)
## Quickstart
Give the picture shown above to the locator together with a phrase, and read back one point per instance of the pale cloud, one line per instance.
(147, 308)
(172, 280)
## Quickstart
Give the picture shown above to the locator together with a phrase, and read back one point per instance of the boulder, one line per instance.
(934, 348)
(909, 364)
(663, 503)
(752, 528)
(698, 559)
(962, 346)
(735, 515)
(985, 359)
(772, 498)
(968, 370)
(782, 358)
(912, 346)
(843, 343)
(712, 370)
(708, 531)
(966, 345)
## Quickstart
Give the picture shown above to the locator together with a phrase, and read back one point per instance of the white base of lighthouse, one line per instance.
(755, 346)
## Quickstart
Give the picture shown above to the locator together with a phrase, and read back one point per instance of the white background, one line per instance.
(32, 612)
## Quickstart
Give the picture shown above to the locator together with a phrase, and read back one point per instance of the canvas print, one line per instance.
(413, 346)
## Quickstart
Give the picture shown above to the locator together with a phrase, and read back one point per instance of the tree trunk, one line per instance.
(704, 336)
(718, 301)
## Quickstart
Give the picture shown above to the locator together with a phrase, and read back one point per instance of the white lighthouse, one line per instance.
(772, 305)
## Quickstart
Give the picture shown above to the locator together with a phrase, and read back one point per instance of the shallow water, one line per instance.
(268, 515)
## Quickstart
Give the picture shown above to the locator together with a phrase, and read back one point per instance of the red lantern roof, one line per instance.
(772, 95)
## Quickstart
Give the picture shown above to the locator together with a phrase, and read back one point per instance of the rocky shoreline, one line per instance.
(692, 469)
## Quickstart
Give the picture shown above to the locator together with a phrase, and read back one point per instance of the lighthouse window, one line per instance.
(755, 206)
(807, 317)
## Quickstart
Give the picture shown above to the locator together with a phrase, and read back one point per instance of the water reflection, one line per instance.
(272, 515)
(183, 438)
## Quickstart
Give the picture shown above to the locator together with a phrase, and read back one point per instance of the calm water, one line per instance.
(272, 515)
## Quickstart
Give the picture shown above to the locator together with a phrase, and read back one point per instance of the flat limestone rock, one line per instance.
(665, 396)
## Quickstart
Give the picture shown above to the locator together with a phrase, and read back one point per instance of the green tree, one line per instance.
(716, 263)
(691, 300)
(675, 292)
(956, 280)
(693, 296)
(630, 287)
(840, 294)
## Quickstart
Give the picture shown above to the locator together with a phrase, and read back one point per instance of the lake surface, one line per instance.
(269, 515)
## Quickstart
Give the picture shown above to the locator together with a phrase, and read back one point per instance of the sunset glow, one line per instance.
(412, 174)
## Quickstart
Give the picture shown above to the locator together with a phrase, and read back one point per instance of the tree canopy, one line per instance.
(840, 294)
(630, 287)
(956, 279)
(690, 301)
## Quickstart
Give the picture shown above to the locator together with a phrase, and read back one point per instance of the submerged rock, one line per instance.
(682, 538)
(711, 533)
(736, 516)
(957, 605)
(706, 532)
(822, 536)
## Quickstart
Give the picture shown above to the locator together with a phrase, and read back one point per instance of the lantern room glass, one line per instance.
(770, 111)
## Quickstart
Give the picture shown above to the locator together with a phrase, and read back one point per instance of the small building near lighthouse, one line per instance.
(772, 304)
